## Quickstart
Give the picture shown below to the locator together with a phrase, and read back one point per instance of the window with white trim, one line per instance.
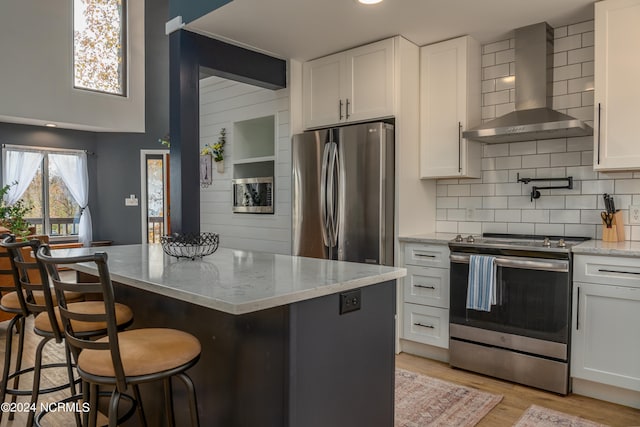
(99, 54)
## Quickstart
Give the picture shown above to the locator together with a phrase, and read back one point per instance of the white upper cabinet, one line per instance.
(617, 67)
(449, 104)
(351, 86)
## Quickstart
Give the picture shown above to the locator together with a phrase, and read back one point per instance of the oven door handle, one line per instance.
(557, 265)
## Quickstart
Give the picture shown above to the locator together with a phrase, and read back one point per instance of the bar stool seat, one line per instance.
(12, 301)
(145, 351)
(124, 317)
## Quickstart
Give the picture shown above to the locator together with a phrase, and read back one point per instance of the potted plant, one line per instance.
(12, 217)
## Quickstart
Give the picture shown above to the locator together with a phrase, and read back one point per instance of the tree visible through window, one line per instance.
(99, 40)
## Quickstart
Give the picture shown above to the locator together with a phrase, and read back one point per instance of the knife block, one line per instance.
(616, 232)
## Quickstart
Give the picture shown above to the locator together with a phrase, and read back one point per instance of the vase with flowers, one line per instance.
(217, 150)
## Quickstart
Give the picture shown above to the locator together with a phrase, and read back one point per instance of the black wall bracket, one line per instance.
(535, 193)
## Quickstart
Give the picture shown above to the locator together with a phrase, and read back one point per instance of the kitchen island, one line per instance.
(279, 346)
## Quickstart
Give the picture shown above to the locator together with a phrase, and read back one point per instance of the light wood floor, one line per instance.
(516, 399)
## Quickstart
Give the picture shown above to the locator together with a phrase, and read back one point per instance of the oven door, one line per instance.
(533, 299)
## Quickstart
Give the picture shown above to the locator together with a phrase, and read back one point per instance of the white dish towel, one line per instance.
(481, 289)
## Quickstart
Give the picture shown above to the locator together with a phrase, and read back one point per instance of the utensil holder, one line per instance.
(616, 232)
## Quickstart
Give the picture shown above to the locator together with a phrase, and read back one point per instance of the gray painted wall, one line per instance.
(114, 166)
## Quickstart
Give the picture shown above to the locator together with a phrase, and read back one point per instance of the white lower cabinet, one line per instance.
(426, 294)
(606, 321)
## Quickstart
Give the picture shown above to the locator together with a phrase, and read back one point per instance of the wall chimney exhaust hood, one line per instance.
(533, 117)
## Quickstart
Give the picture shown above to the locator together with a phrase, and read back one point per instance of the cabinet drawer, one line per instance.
(427, 285)
(426, 255)
(607, 270)
(427, 325)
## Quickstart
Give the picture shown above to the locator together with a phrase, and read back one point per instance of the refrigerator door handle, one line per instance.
(331, 188)
(335, 212)
(323, 194)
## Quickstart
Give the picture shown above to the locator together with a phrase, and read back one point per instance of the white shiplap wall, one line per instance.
(497, 202)
(223, 102)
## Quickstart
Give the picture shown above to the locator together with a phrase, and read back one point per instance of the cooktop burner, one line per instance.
(517, 241)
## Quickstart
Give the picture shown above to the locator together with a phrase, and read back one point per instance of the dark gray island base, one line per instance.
(301, 364)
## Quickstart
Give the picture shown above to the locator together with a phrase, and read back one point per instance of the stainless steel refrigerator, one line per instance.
(343, 193)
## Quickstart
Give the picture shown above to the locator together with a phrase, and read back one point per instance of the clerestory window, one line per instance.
(99, 40)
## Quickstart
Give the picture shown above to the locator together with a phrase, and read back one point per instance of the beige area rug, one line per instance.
(537, 416)
(423, 401)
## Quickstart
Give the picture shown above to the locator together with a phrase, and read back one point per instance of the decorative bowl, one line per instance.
(190, 245)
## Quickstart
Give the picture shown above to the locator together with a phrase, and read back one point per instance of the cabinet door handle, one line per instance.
(424, 326)
(599, 125)
(459, 147)
(578, 311)
(340, 109)
(424, 255)
(347, 109)
(602, 270)
(425, 287)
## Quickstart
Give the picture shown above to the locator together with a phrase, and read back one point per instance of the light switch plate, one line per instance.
(634, 215)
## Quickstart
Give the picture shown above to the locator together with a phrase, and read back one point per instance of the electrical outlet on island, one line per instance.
(634, 215)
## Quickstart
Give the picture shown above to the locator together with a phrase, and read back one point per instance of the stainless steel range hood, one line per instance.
(533, 117)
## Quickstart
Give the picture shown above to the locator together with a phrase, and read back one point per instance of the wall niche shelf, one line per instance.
(254, 155)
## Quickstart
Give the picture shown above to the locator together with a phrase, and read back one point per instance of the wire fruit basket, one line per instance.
(190, 245)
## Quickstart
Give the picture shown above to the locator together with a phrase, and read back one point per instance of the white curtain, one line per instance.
(20, 167)
(73, 170)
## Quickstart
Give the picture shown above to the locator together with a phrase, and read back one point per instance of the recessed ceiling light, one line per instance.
(51, 125)
(369, 1)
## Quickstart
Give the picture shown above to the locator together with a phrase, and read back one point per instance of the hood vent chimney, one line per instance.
(533, 117)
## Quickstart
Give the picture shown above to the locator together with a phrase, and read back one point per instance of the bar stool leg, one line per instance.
(113, 408)
(93, 411)
(193, 402)
(20, 330)
(36, 378)
(4, 385)
(168, 401)
(138, 397)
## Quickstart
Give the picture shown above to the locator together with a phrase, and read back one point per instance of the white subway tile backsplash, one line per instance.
(580, 55)
(535, 215)
(495, 47)
(587, 39)
(506, 56)
(520, 228)
(552, 146)
(549, 229)
(597, 187)
(587, 69)
(566, 159)
(581, 27)
(495, 71)
(567, 72)
(493, 98)
(497, 203)
(536, 161)
(581, 202)
(458, 190)
(496, 176)
(567, 43)
(627, 186)
(513, 162)
(570, 216)
(550, 202)
(521, 148)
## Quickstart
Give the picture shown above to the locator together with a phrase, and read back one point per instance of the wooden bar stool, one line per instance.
(32, 282)
(121, 359)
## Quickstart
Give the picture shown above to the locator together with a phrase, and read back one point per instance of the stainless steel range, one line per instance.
(525, 335)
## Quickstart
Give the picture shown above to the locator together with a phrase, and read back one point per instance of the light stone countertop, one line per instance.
(598, 247)
(233, 281)
(437, 238)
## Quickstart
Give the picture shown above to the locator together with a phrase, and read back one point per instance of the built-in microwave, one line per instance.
(253, 195)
